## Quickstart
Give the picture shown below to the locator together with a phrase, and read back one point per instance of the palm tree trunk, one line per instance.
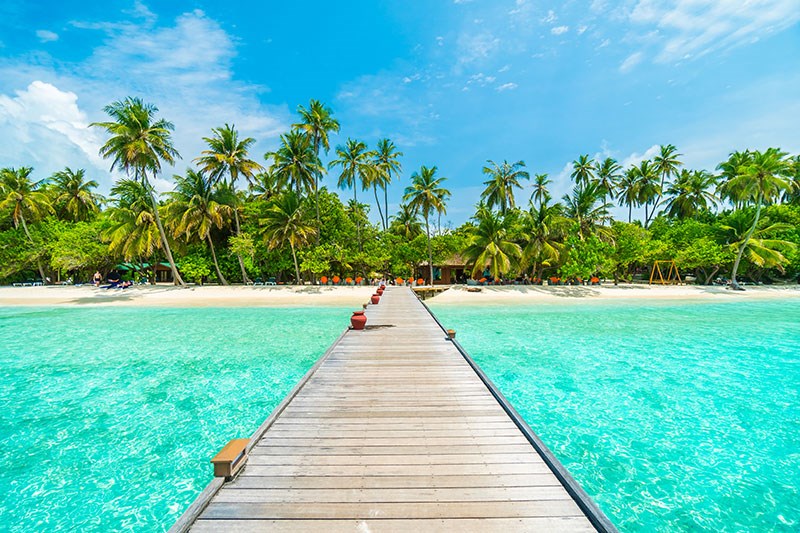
(386, 205)
(358, 220)
(296, 266)
(214, 257)
(316, 203)
(734, 283)
(430, 252)
(378, 203)
(245, 279)
(630, 212)
(38, 261)
(646, 217)
(176, 277)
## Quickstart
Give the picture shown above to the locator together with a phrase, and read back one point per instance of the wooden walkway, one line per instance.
(395, 430)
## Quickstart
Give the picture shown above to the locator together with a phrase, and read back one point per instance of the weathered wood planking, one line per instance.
(395, 431)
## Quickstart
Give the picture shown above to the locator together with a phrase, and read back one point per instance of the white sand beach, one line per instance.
(531, 294)
(169, 296)
(310, 295)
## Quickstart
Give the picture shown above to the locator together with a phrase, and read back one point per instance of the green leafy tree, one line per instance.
(317, 122)
(691, 194)
(227, 155)
(72, 195)
(354, 160)
(25, 200)
(628, 191)
(387, 157)
(194, 210)
(503, 179)
(139, 143)
(490, 245)
(585, 205)
(583, 170)
(295, 162)
(286, 222)
(759, 181)
(426, 195)
(608, 172)
(666, 164)
(406, 223)
(131, 230)
(540, 193)
(584, 257)
(647, 188)
(543, 230)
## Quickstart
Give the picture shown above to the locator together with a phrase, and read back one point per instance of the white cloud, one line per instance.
(507, 86)
(184, 68)
(550, 17)
(635, 158)
(582, 29)
(693, 28)
(630, 62)
(46, 36)
(44, 127)
(476, 47)
(558, 30)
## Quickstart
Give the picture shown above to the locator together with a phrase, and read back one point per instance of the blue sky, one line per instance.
(453, 83)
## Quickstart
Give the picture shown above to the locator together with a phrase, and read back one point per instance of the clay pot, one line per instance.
(358, 320)
(375, 299)
(382, 287)
(379, 292)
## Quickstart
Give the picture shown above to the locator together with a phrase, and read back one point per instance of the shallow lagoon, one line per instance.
(108, 416)
(674, 417)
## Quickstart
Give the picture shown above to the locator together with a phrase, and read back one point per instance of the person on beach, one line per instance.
(97, 279)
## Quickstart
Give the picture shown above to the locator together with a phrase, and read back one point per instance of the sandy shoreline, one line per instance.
(169, 296)
(529, 294)
(276, 296)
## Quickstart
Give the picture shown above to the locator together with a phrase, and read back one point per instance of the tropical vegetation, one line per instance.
(233, 217)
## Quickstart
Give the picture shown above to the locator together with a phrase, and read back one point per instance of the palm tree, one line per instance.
(628, 190)
(24, 198)
(373, 179)
(227, 155)
(793, 196)
(286, 223)
(295, 162)
(691, 194)
(194, 210)
(729, 188)
(317, 123)
(666, 164)
(583, 170)
(490, 245)
(760, 181)
(544, 227)
(608, 172)
(138, 144)
(387, 156)
(265, 185)
(354, 160)
(73, 194)
(648, 188)
(760, 250)
(501, 183)
(540, 193)
(587, 207)
(132, 231)
(426, 195)
(406, 222)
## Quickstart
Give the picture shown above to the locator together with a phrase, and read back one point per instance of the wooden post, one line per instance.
(230, 459)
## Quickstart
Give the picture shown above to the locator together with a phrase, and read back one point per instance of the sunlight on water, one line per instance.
(109, 415)
(673, 417)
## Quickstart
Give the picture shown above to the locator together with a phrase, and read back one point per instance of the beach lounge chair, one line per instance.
(270, 281)
(258, 281)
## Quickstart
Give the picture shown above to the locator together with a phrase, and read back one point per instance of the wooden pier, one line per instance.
(395, 429)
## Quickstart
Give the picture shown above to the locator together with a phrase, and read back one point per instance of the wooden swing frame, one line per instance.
(660, 279)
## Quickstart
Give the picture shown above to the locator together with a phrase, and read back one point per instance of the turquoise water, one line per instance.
(673, 417)
(108, 416)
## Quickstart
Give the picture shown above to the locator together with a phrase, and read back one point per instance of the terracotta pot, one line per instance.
(358, 320)
(375, 299)
(379, 292)
(382, 287)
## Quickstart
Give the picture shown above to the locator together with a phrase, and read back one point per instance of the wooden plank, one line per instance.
(376, 525)
(394, 482)
(320, 510)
